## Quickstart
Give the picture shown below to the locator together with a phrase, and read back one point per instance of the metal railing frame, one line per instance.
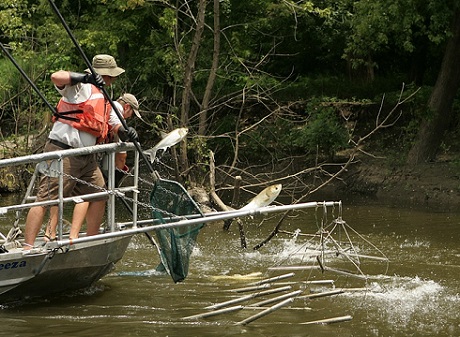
(111, 190)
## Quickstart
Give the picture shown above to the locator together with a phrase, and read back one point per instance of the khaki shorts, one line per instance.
(84, 168)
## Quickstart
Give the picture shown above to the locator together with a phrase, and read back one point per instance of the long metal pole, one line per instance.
(104, 91)
(219, 216)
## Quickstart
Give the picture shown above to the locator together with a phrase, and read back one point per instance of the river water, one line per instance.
(416, 293)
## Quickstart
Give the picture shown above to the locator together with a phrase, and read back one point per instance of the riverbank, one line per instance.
(434, 185)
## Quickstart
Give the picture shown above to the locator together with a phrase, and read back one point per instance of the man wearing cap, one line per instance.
(82, 119)
(128, 104)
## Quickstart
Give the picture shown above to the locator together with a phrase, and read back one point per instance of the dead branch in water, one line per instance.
(221, 204)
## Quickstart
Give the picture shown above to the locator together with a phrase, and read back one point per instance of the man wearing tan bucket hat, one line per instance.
(82, 119)
(105, 65)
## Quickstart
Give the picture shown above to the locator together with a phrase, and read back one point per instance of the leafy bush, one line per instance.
(323, 131)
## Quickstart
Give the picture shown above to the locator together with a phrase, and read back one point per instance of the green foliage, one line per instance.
(271, 51)
(258, 144)
(21, 108)
(9, 79)
(320, 130)
(380, 29)
(261, 144)
(222, 146)
(324, 131)
(15, 18)
(197, 148)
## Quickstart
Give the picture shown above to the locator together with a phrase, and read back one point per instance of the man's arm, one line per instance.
(60, 78)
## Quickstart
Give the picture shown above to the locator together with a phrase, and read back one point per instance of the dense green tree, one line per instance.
(191, 69)
(436, 123)
(393, 35)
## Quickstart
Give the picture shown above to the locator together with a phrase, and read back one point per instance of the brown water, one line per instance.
(416, 294)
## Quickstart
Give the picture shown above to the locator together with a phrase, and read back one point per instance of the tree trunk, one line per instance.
(212, 72)
(188, 79)
(432, 131)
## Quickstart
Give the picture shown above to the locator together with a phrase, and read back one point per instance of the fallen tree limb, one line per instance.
(219, 202)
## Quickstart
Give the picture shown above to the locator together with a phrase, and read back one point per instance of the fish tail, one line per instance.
(153, 155)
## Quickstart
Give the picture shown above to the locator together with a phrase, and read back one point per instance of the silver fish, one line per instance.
(168, 140)
(264, 198)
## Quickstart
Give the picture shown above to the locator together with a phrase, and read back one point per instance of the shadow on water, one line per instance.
(415, 294)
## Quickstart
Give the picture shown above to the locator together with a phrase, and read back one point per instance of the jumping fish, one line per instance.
(264, 198)
(168, 140)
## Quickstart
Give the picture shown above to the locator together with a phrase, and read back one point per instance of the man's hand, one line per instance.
(130, 134)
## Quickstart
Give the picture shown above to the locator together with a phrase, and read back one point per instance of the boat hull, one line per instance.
(46, 272)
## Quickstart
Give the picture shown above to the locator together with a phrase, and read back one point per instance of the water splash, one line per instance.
(410, 304)
(141, 273)
(414, 244)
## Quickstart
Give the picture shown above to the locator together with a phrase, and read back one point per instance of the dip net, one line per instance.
(171, 202)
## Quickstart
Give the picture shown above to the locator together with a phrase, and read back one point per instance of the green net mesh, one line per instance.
(169, 200)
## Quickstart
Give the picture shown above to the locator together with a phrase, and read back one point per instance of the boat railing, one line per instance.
(51, 164)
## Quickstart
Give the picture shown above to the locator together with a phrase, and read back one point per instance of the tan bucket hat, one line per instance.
(131, 100)
(106, 65)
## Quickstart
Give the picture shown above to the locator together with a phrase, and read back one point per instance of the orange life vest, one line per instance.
(91, 116)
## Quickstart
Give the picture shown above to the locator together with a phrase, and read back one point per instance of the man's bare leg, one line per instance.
(94, 216)
(79, 213)
(50, 231)
(34, 222)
